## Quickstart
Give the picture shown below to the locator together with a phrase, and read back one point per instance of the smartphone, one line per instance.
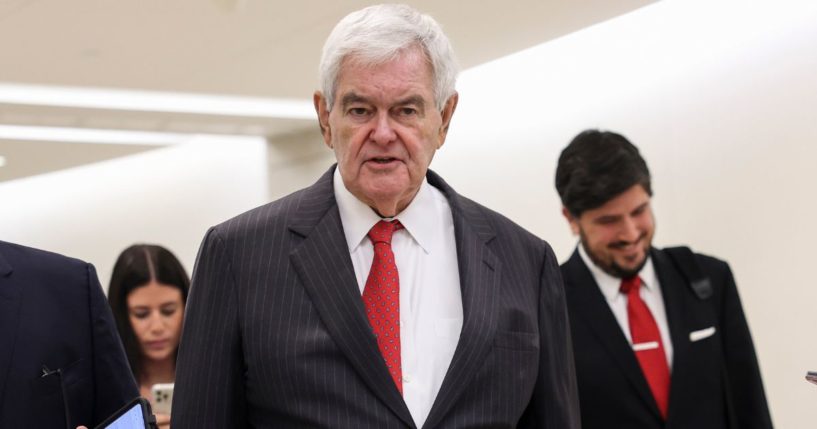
(135, 414)
(812, 376)
(162, 397)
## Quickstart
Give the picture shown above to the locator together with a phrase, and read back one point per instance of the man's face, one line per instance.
(384, 128)
(617, 236)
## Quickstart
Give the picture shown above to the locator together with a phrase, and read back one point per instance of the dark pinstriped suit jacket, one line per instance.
(275, 333)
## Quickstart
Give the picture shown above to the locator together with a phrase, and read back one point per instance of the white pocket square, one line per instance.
(701, 334)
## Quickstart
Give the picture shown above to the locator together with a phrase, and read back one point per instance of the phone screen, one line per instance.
(134, 415)
(132, 419)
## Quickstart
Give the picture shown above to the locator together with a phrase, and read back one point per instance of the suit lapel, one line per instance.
(589, 304)
(9, 311)
(674, 291)
(480, 274)
(324, 266)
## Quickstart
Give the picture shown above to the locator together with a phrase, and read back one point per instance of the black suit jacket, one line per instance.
(54, 318)
(715, 380)
(276, 336)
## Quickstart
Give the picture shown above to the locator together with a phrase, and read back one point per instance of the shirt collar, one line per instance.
(610, 285)
(358, 218)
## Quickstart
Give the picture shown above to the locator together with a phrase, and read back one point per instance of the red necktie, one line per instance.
(381, 297)
(647, 343)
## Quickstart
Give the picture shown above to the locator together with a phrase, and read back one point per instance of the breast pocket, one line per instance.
(46, 401)
(516, 340)
(512, 366)
(59, 395)
(701, 334)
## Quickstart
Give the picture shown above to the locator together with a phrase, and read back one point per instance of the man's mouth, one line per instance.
(628, 245)
(382, 160)
(624, 246)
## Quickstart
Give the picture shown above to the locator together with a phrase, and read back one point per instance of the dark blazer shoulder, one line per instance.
(711, 264)
(41, 268)
(707, 262)
(18, 255)
(717, 270)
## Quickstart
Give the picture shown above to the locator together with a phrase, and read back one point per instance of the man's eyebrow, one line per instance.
(413, 99)
(641, 207)
(351, 98)
(608, 218)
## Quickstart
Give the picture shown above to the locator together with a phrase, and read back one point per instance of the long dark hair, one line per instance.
(137, 266)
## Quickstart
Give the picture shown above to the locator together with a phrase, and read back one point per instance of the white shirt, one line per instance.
(650, 293)
(425, 253)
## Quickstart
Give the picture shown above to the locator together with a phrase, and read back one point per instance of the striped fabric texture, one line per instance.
(276, 335)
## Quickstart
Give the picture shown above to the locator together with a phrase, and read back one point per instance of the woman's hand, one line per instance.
(162, 420)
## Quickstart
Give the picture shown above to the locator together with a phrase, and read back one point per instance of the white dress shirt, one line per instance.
(425, 253)
(650, 293)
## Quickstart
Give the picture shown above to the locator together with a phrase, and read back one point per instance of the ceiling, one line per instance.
(262, 49)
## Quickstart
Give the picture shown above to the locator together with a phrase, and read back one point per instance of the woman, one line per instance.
(147, 294)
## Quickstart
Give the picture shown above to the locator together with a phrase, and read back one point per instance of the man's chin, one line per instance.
(627, 270)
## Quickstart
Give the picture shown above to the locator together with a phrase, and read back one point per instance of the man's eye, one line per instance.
(358, 111)
(408, 111)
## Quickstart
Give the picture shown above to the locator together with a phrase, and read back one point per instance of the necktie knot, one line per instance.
(382, 231)
(629, 285)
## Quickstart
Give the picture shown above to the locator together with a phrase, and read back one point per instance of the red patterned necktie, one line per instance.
(381, 297)
(647, 344)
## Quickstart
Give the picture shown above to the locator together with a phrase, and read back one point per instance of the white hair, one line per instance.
(379, 34)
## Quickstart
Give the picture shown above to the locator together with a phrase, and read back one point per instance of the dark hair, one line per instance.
(596, 167)
(137, 266)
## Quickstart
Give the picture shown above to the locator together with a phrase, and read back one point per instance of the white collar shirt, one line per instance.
(650, 293)
(430, 298)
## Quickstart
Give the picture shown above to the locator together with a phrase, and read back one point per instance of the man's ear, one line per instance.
(572, 220)
(323, 117)
(447, 113)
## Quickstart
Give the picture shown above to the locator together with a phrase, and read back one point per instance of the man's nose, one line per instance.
(629, 231)
(383, 131)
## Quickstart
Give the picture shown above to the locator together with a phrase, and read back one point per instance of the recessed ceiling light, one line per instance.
(2, 161)
(88, 135)
(155, 101)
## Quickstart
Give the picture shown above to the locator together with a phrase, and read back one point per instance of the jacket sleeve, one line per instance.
(114, 385)
(555, 401)
(209, 391)
(747, 400)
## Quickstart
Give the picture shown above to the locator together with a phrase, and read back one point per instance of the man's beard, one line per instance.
(613, 268)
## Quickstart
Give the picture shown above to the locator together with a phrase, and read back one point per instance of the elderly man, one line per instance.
(661, 339)
(377, 297)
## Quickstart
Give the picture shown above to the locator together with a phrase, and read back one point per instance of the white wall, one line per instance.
(167, 196)
(297, 161)
(721, 97)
